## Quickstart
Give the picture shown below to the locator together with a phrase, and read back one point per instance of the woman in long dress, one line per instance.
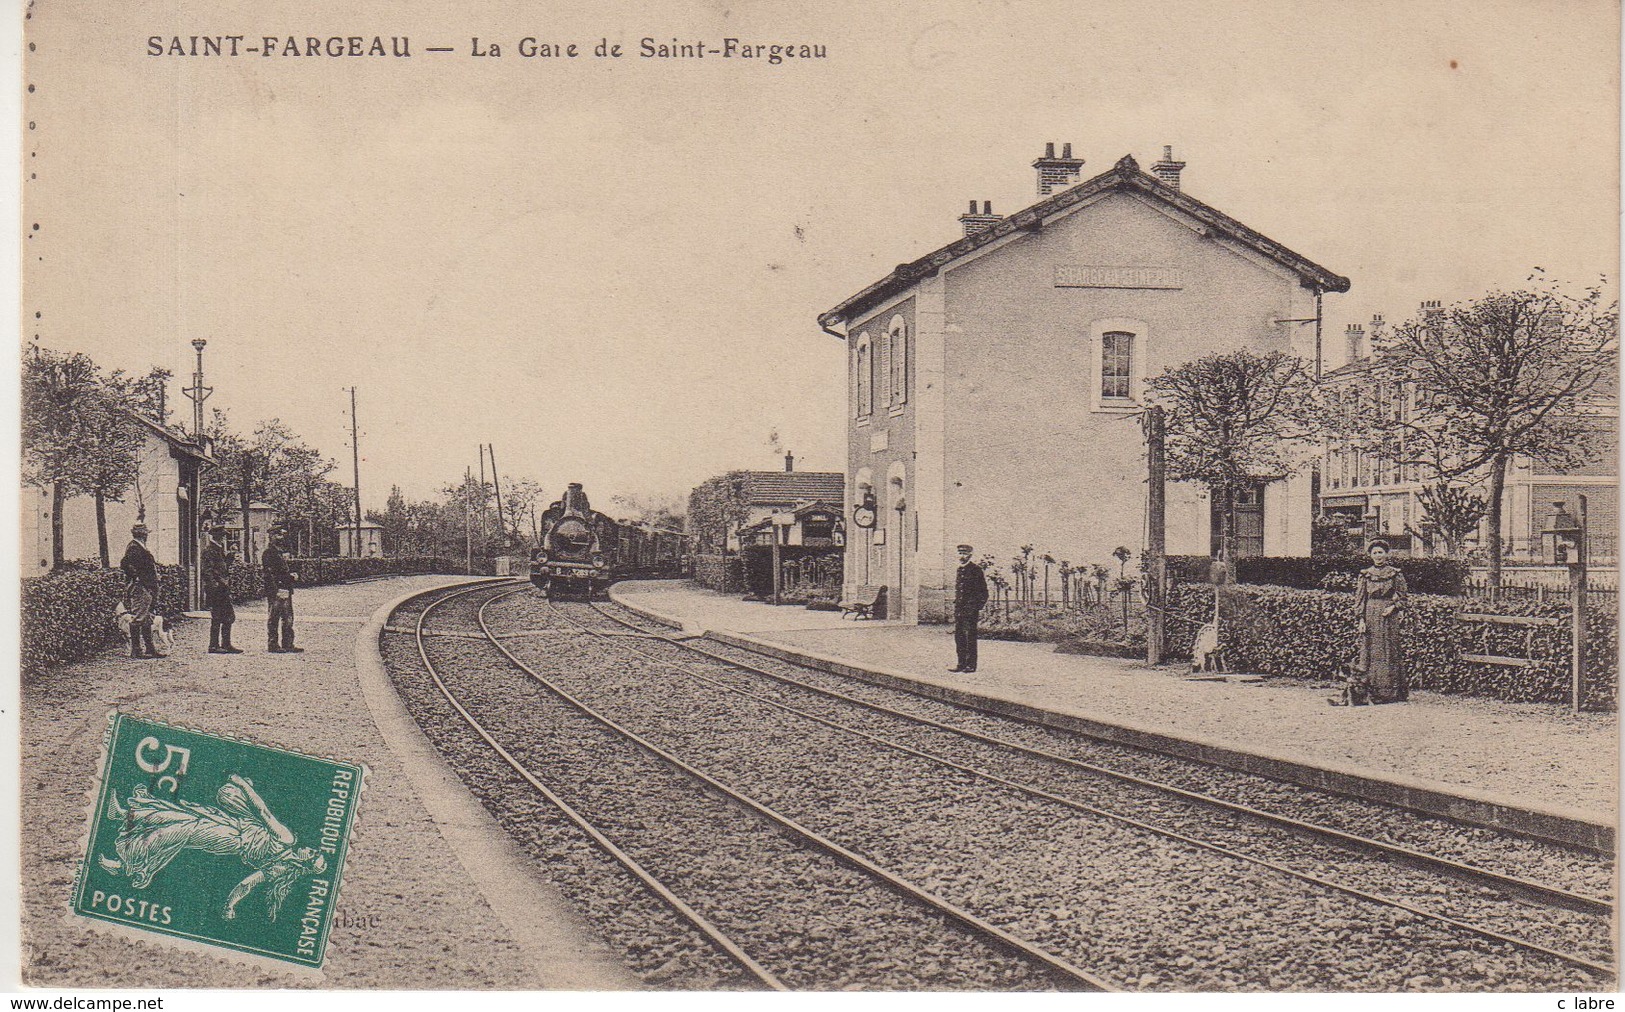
(155, 831)
(1378, 599)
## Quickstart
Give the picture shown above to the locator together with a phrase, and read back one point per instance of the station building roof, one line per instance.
(1126, 175)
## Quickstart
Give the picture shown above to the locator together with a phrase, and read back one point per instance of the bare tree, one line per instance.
(519, 504)
(1235, 420)
(1464, 391)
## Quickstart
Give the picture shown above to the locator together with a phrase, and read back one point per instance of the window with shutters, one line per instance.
(864, 359)
(897, 358)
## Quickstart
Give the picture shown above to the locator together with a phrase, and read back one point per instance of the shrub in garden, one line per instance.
(758, 565)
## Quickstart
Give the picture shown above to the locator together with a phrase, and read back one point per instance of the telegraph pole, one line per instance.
(496, 483)
(1577, 611)
(1156, 552)
(485, 524)
(468, 523)
(355, 456)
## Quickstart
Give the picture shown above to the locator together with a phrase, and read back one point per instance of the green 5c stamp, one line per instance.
(218, 841)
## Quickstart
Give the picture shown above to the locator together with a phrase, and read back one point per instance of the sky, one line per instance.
(610, 269)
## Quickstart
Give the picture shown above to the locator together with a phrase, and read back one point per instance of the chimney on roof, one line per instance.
(976, 223)
(1432, 309)
(1355, 336)
(1168, 170)
(1057, 173)
(789, 462)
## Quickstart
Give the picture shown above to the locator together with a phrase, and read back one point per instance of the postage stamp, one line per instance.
(219, 841)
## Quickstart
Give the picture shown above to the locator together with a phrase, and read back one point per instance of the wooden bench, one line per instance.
(864, 603)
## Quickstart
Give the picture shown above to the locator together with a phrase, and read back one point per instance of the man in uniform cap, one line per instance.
(970, 593)
(279, 581)
(217, 593)
(141, 592)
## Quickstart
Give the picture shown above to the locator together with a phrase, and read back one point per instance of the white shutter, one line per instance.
(883, 380)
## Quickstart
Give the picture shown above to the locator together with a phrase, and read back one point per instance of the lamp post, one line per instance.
(194, 534)
(1565, 537)
(901, 506)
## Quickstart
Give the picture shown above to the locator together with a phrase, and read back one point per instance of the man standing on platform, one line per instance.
(141, 593)
(217, 593)
(970, 593)
(279, 581)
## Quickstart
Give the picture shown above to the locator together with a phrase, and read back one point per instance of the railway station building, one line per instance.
(995, 383)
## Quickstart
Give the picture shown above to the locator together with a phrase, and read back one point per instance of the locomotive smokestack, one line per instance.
(789, 462)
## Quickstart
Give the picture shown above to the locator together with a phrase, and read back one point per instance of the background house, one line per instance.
(371, 541)
(1375, 497)
(163, 495)
(261, 518)
(813, 524)
(995, 383)
(721, 508)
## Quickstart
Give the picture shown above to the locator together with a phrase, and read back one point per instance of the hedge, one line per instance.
(708, 572)
(1311, 634)
(1311, 572)
(68, 615)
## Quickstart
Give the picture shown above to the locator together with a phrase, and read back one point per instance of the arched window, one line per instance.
(897, 338)
(866, 381)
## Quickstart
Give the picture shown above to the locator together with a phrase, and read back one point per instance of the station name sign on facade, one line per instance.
(1099, 276)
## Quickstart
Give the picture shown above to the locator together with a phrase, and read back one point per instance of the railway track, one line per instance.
(785, 674)
(879, 782)
(1566, 943)
(920, 940)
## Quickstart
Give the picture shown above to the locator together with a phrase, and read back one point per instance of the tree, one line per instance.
(62, 400)
(113, 446)
(1510, 374)
(395, 521)
(1235, 420)
(664, 512)
(520, 502)
(147, 394)
(1328, 535)
(1452, 512)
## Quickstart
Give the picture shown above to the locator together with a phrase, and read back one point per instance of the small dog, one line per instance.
(1206, 654)
(162, 635)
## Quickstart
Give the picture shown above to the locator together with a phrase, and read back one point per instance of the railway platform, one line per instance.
(434, 894)
(1514, 765)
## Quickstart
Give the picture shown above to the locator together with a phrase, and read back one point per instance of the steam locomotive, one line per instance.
(583, 551)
